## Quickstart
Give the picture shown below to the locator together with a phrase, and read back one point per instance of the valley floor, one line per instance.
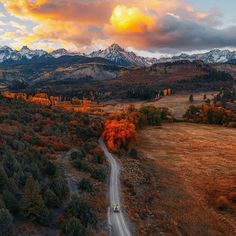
(173, 187)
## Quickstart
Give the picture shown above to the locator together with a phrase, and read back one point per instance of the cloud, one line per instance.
(176, 34)
(2, 15)
(142, 24)
(2, 23)
(19, 26)
(88, 11)
(8, 35)
(128, 20)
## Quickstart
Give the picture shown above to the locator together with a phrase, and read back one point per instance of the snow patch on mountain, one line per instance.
(8, 54)
(213, 56)
(122, 57)
(63, 52)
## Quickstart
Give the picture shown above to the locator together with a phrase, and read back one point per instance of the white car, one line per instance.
(116, 208)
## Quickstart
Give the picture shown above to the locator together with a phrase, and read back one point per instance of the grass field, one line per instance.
(177, 103)
(195, 164)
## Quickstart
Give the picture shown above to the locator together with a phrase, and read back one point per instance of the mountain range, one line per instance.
(114, 53)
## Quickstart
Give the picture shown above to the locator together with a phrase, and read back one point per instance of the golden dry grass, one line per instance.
(195, 165)
(177, 103)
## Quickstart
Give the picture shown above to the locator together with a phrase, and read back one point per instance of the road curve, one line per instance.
(117, 222)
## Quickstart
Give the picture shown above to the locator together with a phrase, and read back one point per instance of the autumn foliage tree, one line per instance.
(210, 114)
(119, 134)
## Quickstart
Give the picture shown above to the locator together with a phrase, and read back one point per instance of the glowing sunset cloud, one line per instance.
(172, 25)
(127, 20)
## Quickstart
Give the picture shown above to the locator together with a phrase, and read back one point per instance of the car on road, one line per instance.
(116, 208)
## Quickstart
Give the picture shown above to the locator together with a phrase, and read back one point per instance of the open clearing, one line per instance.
(177, 103)
(194, 165)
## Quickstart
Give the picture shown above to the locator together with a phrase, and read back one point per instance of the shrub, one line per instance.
(6, 222)
(82, 211)
(99, 174)
(50, 168)
(222, 203)
(72, 227)
(210, 114)
(81, 166)
(119, 134)
(50, 199)
(191, 98)
(84, 133)
(85, 185)
(153, 115)
(133, 153)
(137, 118)
(10, 201)
(98, 158)
(59, 187)
(3, 179)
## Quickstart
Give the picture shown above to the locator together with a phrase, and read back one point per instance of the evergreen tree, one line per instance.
(50, 198)
(10, 201)
(32, 203)
(72, 227)
(3, 179)
(6, 222)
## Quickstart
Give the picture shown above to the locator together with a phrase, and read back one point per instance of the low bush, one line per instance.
(72, 227)
(99, 174)
(6, 222)
(81, 166)
(133, 153)
(85, 185)
(82, 211)
(222, 203)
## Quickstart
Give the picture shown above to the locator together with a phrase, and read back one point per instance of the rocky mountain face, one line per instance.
(122, 57)
(63, 52)
(115, 54)
(213, 56)
(9, 55)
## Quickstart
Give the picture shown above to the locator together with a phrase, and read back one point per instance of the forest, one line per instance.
(34, 191)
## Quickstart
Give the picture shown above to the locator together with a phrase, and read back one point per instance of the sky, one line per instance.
(149, 27)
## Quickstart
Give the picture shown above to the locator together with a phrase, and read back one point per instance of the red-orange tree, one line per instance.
(119, 134)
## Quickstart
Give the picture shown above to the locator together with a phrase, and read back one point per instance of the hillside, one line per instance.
(82, 76)
(56, 69)
(48, 152)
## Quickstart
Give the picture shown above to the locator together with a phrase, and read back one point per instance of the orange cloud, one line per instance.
(130, 20)
(141, 24)
(89, 12)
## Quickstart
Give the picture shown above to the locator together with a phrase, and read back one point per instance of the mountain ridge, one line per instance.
(115, 54)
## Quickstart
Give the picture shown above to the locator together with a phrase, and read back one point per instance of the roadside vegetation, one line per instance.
(33, 186)
(121, 130)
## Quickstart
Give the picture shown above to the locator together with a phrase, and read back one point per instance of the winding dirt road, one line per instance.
(117, 222)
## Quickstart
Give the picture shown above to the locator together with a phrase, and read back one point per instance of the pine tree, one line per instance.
(50, 198)
(3, 179)
(32, 203)
(10, 201)
(6, 222)
(73, 227)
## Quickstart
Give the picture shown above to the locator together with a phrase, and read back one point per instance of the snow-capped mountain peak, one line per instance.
(25, 52)
(6, 48)
(8, 54)
(63, 52)
(115, 47)
(122, 57)
(213, 56)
